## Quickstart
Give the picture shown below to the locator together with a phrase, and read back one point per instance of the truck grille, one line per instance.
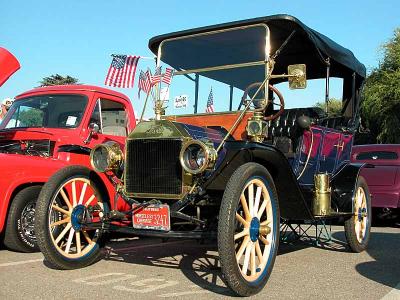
(152, 167)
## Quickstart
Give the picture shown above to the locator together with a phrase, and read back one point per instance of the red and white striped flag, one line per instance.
(167, 77)
(210, 103)
(144, 82)
(122, 71)
(156, 78)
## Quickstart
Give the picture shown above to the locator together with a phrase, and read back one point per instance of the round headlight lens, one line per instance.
(196, 157)
(100, 159)
(105, 157)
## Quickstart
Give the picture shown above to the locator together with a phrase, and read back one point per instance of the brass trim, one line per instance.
(210, 156)
(114, 156)
(222, 67)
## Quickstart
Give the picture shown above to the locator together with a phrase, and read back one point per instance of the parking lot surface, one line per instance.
(185, 269)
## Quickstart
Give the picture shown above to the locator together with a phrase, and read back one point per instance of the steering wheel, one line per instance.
(281, 103)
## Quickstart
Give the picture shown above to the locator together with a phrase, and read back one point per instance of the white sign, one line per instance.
(164, 94)
(181, 101)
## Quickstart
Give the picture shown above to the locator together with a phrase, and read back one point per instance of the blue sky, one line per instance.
(76, 38)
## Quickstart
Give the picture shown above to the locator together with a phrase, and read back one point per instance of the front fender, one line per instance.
(19, 170)
(292, 203)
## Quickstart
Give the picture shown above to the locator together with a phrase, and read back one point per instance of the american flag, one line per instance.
(156, 78)
(210, 103)
(144, 82)
(122, 71)
(167, 77)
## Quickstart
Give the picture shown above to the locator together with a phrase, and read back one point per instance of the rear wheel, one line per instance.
(19, 233)
(248, 229)
(67, 200)
(358, 227)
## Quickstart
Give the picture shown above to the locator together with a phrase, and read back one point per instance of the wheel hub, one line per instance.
(28, 220)
(254, 229)
(362, 212)
(77, 216)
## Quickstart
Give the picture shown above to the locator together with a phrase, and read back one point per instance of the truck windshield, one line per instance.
(51, 111)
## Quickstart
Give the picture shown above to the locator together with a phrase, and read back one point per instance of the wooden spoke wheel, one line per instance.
(248, 232)
(62, 211)
(357, 228)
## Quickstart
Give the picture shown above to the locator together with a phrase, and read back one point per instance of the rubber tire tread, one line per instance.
(349, 224)
(51, 254)
(12, 238)
(231, 273)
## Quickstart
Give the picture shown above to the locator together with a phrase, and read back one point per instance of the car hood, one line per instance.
(8, 65)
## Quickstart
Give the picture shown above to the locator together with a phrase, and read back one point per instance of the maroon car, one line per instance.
(384, 179)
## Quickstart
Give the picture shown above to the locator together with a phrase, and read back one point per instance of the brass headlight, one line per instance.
(197, 156)
(106, 157)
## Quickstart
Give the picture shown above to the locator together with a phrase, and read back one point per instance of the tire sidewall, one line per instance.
(45, 241)
(248, 172)
(350, 232)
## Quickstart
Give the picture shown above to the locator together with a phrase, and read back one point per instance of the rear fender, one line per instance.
(343, 186)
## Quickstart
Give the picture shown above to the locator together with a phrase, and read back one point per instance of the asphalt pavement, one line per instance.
(185, 269)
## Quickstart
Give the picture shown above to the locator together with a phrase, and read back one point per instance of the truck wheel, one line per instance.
(63, 203)
(248, 229)
(358, 227)
(19, 234)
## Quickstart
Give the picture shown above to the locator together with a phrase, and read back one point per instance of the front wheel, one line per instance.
(248, 229)
(69, 199)
(358, 227)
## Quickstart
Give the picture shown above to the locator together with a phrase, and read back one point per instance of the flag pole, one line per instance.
(144, 107)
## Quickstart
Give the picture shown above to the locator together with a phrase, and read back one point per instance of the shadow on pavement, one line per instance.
(198, 262)
(385, 249)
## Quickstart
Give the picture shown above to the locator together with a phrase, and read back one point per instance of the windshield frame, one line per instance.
(20, 101)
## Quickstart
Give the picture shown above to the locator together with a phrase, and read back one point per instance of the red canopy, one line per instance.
(8, 65)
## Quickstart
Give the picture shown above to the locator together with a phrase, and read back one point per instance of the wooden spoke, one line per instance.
(262, 209)
(90, 200)
(241, 220)
(245, 266)
(87, 237)
(243, 246)
(251, 199)
(65, 197)
(264, 240)
(259, 252)
(257, 201)
(245, 208)
(78, 242)
(241, 234)
(69, 240)
(61, 235)
(61, 210)
(66, 220)
(253, 259)
(73, 193)
(82, 193)
(265, 223)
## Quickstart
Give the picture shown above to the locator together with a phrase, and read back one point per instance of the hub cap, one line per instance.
(253, 237)
(28, 221)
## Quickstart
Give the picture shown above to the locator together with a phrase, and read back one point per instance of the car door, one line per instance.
(111, 118)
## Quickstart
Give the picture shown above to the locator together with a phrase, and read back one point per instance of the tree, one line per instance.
(380, 109)
(58, 79)
(334, 107)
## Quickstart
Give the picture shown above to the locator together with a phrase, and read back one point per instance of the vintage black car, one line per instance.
(233, 175)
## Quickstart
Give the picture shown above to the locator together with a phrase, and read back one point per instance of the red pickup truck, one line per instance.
(46, 129)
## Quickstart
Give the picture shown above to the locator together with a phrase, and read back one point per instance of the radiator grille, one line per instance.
(152, 166)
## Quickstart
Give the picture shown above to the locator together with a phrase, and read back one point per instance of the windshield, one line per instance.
(51, 111)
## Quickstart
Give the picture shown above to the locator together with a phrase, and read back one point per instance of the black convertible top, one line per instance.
(306, 46)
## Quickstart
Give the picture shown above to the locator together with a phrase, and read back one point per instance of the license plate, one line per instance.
(155, 217)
